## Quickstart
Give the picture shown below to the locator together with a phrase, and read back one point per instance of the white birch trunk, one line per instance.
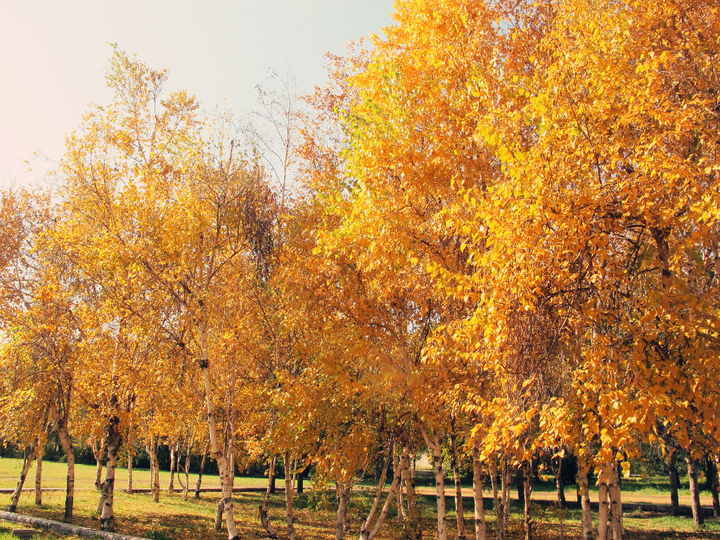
(202, 469)
(526, 467)
(365, 531)
(497, 498)
(263, 509)
(173, 458)
(616, 521)
(480, 525)
(436, 447)
(343, 496)
(212, 428)
(402, 517)
(40, 450)
(107, 516)
(186, 487)
(67, 446)
(289, 492)
(413, 512)
(154, 470)
(694, 492)
(506, 486)
(367, 534)
(131, 455)
(459, 511)
(587, 524)
(97, 451)
(27, 461)
(603, 506)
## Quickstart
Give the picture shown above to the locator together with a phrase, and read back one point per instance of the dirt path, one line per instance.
(627, 496)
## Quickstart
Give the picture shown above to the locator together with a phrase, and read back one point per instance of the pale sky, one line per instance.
(53, 56)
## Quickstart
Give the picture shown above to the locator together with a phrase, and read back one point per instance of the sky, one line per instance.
(53, 57)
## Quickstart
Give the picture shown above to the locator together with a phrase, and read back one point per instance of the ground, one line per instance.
(173, 518)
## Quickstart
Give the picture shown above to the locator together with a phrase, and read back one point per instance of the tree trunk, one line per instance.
(343, 497)
(526, 470)
(131, 455)
(301, 479)
(263, 509)
(67, 446)
(436, 447)
(694, 492)
(413, 527)
(271, 476)
(219, 515)
(186, 487)
(519, 485)
(98, 451)
(459, 511)
(38, 473)
(107, 516)
(366, 533)
(604, 507)
(27, 461)
(230, 452)
(402, 516)
(674, 483)
(289, 492)
(560, 482)
(616, 518)
(506, 492)
(202, 469)
(173, 457)
(497, 498)
(154, 469)
(212, 428)
(584, 492)
(711, 475)
(480, 526)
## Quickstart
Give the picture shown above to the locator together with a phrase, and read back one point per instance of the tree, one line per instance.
(164, 214)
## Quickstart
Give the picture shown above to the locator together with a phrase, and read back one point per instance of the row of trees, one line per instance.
(504, 243)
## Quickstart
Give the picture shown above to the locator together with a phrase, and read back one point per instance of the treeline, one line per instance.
(502, 242)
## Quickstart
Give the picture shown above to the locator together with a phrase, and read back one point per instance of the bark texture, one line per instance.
(674, 483)
(436, 447)
(263, 509)
(711, 476)
(27, 461)
(220, 458)
(173, 464)
(289, 498)
(584, 488)
(368, 534)
(107, 516)
(98, 449)
(343, 497)
(480, 525)
(497, 498)
(154, 469)
(616, 521)
(694, 492)
(69, 450)
(459, 513)
(202, 469)
(38, 473)
(559, 481)
(526, 468)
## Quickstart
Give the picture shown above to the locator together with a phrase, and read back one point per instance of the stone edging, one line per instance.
(64, 528)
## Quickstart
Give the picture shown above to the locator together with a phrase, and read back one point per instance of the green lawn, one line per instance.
(173, 518)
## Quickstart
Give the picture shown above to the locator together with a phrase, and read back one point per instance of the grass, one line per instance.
(172, 518)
